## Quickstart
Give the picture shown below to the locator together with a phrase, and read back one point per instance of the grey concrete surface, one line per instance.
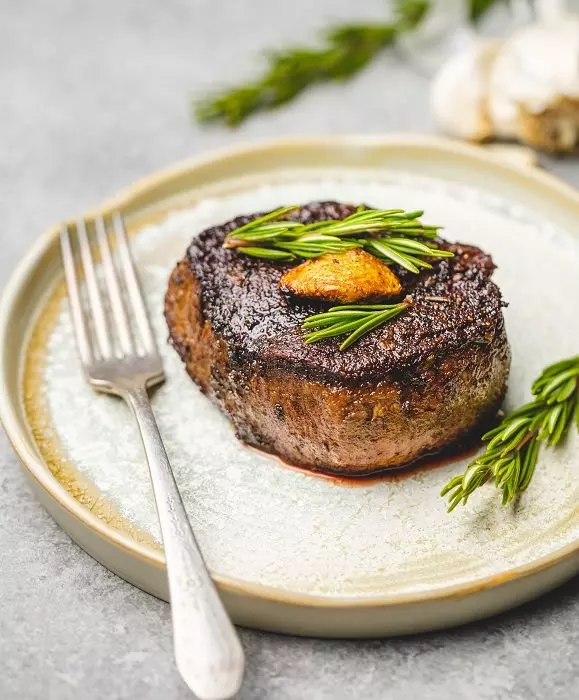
(93, 96)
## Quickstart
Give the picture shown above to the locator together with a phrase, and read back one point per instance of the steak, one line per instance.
(409, 388)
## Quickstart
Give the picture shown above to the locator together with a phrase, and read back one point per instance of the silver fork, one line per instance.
(207, 649)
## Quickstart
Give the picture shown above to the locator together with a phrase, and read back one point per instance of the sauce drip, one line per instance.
(464, 449)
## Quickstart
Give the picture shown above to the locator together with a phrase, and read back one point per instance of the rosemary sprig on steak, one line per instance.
(393, 235)
(511, 454)
(355, 319)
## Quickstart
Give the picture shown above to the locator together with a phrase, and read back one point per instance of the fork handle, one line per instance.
(207, 649)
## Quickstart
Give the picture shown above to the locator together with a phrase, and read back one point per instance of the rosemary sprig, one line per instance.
(355, 319)
(271, 238)
(511, 454)
(346, 51)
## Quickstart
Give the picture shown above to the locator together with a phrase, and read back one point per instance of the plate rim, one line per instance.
(40, 473)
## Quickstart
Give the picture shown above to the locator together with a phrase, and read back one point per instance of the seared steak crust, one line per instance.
(411, 387)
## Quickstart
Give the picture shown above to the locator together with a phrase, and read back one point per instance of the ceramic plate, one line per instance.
(292, 551)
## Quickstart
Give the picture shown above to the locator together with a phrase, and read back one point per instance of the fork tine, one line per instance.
(74, 300)
(94, 295)
(133, 286)
(113, 288)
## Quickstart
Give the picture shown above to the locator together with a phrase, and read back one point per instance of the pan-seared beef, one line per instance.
(409, 388)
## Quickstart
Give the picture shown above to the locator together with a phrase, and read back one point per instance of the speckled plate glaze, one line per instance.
(291, 551)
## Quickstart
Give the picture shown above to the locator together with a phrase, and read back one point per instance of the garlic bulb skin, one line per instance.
(536, 72)
(459, 92)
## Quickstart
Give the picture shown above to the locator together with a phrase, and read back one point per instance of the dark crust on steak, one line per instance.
(259, 322)
(415, 385)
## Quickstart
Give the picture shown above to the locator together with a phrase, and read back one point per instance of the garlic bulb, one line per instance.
(524, 87)
(533, 83)
(459, 92)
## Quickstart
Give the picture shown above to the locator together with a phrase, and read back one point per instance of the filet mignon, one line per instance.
(409, 388)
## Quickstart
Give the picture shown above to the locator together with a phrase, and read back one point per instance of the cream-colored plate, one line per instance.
(290, 551)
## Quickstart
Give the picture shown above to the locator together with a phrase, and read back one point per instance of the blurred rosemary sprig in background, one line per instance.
(346, 50)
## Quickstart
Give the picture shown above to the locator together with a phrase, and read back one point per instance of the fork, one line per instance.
(119, 360)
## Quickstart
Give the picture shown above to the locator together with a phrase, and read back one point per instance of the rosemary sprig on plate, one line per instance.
(511, 454)
(397, 241)
(356, 320)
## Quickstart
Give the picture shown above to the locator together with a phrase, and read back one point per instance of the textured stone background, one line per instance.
(94, 96)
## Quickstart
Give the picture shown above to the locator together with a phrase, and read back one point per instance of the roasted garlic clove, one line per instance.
(347, 277)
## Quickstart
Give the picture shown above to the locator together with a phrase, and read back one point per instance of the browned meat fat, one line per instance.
(411, 387)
